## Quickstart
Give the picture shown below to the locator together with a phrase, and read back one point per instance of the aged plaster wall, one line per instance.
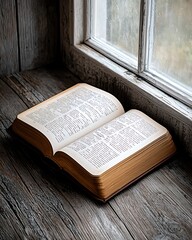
(133, 93)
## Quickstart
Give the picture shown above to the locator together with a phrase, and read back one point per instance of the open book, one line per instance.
(87, 133)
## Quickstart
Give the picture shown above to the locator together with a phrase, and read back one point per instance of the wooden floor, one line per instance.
(38, 201)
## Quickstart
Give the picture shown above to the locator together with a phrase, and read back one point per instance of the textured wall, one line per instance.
(29, 34)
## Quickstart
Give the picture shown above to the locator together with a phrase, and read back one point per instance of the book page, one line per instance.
(115, 141)
(72, 113)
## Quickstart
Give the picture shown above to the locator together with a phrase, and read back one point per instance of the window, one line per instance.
(150, 38)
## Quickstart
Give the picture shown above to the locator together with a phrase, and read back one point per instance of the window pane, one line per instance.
(117, 24)
(172, 40)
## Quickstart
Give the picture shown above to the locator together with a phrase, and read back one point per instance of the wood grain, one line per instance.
(38, 32)
(9, 60)
(39, 201)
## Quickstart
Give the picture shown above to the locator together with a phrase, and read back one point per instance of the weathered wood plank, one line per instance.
(37, 85)
(8, 38)
(37, 200)
(33, 214)
(50, 82)
(158, 206)
(42, 203)
(38, 32)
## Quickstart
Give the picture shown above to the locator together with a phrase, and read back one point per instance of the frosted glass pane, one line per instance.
(117, 24)
(172, 40)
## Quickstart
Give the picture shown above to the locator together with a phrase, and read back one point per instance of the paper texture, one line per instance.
(70, 115)
(115, 141)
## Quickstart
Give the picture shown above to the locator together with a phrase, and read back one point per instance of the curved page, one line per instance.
(72, 114)
(115, 141)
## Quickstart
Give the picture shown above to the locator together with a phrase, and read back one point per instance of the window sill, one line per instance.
(128, 78)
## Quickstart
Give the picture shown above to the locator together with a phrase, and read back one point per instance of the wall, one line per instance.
(29, 34)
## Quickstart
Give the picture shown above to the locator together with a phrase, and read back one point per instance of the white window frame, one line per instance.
(158, 80)
(79, 23)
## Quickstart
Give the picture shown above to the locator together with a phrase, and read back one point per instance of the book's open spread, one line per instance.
(72, 113)
(115, 141)
(86, 132)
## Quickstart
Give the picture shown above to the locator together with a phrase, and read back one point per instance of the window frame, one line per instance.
(160, 81)
(78, 36)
